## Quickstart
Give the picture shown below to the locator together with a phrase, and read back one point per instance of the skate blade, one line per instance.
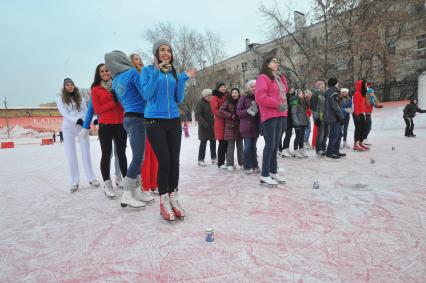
(268, 185)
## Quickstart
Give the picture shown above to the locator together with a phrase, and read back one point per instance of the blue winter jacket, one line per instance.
(346, 104)
(127, 87)
(89, 115)
(161, 94)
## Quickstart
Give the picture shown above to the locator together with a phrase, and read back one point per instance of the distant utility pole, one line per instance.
(7, 117)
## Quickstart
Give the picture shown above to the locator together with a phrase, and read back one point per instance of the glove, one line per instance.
(379, 106)
(317, 122)
(96, 122)
(254, 107)
(84, 133)
(341, 121)
(282, 107)
(251, 112)
(79, 122)
(233, 117)
(348, 110)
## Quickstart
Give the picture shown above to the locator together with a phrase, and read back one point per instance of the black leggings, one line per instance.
(202, 150)
(107, 133)
(300, 134)
(165, 136)
(221, 152)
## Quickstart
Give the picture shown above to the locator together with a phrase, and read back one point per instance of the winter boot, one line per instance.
(268, 181)
(128, 198)
(174, 202)
(357, 147)
(119, 181)
(363, 146)
(73, 188)
(278, 178)
(142, 195)
(303, 152)
(297, 153)
(230, 168)
(108, 190)
(95, 183)
(165, 208)
(286, 153)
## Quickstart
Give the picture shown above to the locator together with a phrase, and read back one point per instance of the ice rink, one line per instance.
(366, 223)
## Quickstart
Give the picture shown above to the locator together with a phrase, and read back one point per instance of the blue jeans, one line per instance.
(345, 127)
(135, 128)
(272, 129)
(250, 153)
(307, 131)
(333, 138)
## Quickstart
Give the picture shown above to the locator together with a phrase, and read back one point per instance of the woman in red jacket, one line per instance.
(110, 116)
(359, 115)
(219, 123)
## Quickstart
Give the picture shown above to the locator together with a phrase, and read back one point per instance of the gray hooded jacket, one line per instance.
(117, 62)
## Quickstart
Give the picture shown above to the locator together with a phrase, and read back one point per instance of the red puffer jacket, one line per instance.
(359, 100)
(219, 123)
(109, 112)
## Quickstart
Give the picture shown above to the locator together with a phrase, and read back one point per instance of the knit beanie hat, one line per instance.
(219, 84)
(117, 62)
(250, 84)
(67, 81)
(344, 90)
(158, 43)
(370, 90)
(206, 92)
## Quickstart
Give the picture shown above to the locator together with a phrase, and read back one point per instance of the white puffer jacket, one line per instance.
(70, 112)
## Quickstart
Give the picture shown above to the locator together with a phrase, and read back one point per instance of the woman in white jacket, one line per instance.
(73, 108)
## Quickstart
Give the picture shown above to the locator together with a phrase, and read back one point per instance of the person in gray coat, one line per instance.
(300, 122)
(316, 103)
(205, 118)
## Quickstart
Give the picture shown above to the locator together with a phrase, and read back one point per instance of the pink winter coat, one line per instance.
(268, 97)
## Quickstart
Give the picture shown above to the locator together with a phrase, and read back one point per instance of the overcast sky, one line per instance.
(44, 41)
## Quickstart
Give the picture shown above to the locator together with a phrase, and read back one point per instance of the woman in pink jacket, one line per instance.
(271, 89)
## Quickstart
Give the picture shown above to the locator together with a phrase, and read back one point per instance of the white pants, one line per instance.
(70, 136)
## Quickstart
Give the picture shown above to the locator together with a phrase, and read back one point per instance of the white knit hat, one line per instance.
(250, 83)
(206, 92)
(345, 90)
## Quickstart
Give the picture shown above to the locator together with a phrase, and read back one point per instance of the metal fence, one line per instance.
(397, 91)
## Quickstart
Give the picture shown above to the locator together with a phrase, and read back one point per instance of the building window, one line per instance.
(421, 41)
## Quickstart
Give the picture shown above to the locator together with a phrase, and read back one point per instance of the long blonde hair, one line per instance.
(132, 56)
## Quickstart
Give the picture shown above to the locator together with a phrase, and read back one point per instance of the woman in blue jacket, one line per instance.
(163, 89)
(126, 85)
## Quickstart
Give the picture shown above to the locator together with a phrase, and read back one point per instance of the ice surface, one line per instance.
(366, 223)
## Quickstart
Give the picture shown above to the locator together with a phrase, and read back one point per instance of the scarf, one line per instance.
(281, 87)
(107, 85)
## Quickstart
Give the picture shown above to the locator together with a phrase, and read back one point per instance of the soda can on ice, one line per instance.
(209, 235)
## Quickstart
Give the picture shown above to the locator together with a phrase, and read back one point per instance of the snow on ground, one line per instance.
(366, 223)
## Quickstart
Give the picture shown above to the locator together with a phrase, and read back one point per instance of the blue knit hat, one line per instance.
(370, 90)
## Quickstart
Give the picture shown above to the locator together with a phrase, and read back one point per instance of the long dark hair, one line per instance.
(97, 80)
(230, 98)
(157, 55)
(75, 96)
(265, 69)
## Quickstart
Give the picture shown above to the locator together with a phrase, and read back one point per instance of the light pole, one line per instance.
(7, 117)
(244, 69)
